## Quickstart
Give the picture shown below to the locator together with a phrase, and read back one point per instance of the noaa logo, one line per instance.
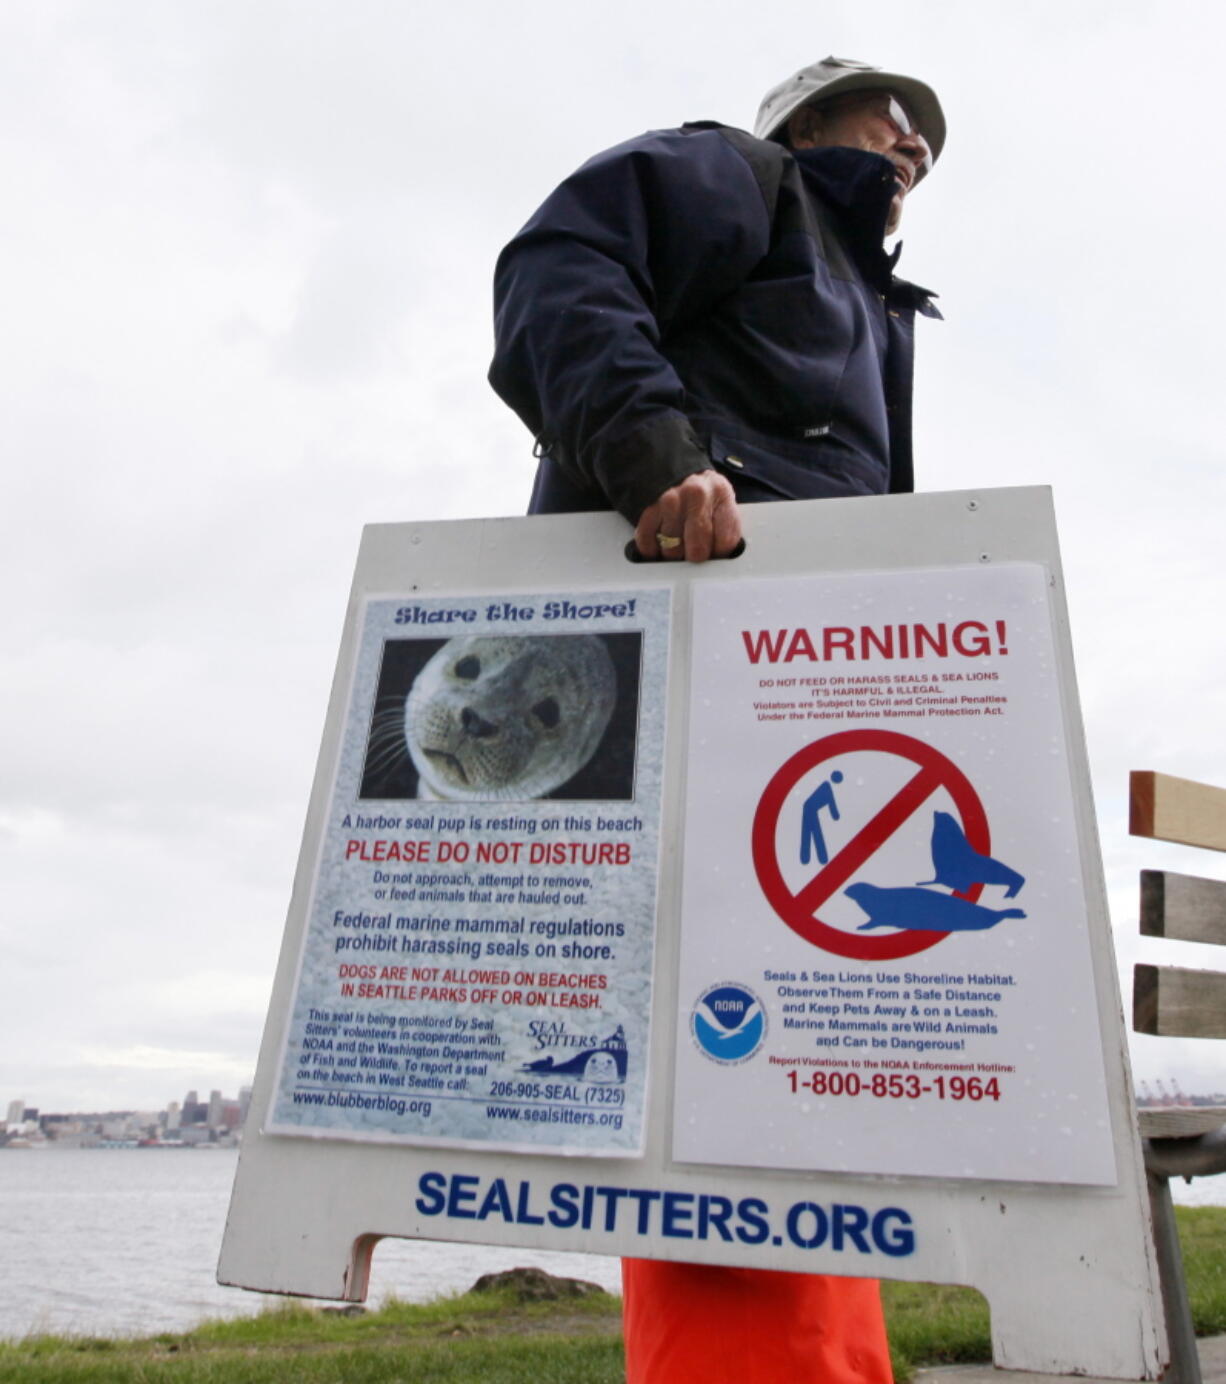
(728, 1023)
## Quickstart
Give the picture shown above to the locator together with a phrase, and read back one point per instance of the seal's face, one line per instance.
(601, 1066)
(490, 718)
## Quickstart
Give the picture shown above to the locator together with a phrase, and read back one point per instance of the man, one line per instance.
(697, 319)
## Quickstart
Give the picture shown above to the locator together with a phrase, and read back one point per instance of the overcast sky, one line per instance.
(246, 253)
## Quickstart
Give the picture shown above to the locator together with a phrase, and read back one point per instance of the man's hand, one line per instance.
(701, 512)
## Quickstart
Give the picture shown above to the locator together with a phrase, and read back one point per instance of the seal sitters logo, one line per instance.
(728, 1023)
(591, 1059)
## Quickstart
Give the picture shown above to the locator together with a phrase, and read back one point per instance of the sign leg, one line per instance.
(1185, 1358)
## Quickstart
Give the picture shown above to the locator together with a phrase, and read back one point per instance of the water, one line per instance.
(125, 1242)
(1204, 1191)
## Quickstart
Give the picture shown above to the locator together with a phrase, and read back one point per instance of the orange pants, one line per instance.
(700, 1324)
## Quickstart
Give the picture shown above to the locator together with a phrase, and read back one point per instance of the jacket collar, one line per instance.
(859, 187)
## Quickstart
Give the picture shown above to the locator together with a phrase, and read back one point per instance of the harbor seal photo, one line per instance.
(493, 718)
(486, 718)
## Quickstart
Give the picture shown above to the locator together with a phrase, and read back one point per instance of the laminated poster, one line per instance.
(476, 968)
(885, 962)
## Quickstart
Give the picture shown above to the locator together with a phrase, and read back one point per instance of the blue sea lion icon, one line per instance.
(959, 865)
(915, 909)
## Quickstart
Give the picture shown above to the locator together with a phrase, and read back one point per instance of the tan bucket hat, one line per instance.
(833, 77)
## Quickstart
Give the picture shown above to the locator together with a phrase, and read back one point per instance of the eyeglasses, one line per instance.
(889, 108)
(899, 117)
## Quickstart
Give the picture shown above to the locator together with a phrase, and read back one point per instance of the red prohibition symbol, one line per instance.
(933, 771)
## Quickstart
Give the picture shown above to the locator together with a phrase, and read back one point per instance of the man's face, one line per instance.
(875, 121)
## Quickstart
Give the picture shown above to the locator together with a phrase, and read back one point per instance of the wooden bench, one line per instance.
(1176, 1002)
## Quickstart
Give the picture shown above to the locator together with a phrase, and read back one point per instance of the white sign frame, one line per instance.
(1069, 1271)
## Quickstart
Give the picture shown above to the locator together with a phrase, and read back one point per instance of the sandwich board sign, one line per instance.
(741, 914)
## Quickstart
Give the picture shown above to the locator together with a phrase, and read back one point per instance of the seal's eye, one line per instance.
(468, 668)
(547, 713)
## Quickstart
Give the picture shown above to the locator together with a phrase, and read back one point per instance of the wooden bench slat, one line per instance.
(1172, 1002)
(1179, 1122)
(1167, 808)
(1183, 908)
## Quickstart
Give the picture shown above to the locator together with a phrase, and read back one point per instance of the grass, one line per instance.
(932, 1324)
(935, 1324)
(1202, 1242)
(477, 1338)
(492, 1338)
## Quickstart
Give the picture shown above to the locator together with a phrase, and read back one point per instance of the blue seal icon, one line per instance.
(728, 1023)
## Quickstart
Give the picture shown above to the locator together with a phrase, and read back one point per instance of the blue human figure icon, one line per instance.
(811, 836)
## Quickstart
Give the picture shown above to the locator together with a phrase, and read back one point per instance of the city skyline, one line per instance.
(190, 1121)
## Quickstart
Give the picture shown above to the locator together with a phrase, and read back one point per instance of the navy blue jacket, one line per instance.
(698, 298)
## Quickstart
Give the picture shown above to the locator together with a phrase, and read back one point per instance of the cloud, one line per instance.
(246, 274)
(143, 1058)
